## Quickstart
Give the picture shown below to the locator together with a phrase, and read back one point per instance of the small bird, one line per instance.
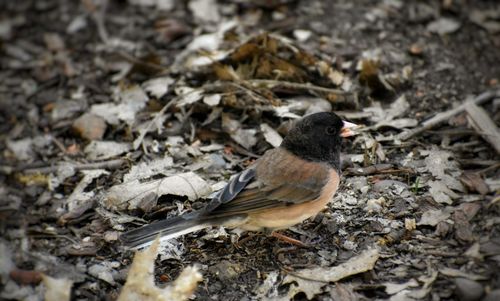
(284, 187)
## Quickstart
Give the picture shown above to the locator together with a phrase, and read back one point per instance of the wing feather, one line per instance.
(270, 183)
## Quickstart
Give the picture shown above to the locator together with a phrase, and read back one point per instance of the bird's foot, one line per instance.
(289, 240)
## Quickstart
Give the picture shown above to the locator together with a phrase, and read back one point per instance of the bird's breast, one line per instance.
(285, 217)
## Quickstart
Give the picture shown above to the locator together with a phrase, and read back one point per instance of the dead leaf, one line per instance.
(358, 264)
(128, 102)
(309, 287)
(57, 289)
(145, 170)
(463, 231)
(474, 182)
(393, 288)
(433, 217)
(102, 150)
(131, 194)
(140, 284)
(205, 10)
(457, 273)
(271, 135)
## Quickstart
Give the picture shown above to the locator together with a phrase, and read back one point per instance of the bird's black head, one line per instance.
(318, 137)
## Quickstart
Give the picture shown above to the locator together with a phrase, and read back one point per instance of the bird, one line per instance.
(282, 188)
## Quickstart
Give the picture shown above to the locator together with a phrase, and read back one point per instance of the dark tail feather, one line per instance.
(169, 228)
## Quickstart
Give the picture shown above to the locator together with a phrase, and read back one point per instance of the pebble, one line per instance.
(468, 290)
(90, 127)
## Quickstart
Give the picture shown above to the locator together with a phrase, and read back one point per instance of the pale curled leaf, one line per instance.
(57, 289)
(145, 170)
(129, 100)
(359, 264)
(271, 135)
(140, 284)
(393, 288)
(131, 194)
(457, 273)
(435, 216)
(102, 150)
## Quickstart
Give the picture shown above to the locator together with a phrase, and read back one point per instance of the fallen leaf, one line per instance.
(129, 195)
(435, 216)
(145, 170)
(57, 289)
(457, 273)
(358, 264)
(474, 182)
(310, 288)
(102, 150)
(393, 288)
(128, 102)
(271, 135)
(205, 10)
(140, 284)
(158, 87)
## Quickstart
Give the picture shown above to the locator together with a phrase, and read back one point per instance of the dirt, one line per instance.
(43, 90)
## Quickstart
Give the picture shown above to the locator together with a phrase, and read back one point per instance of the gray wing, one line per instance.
(271, 182)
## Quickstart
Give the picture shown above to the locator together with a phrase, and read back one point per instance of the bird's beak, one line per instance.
(346, 130)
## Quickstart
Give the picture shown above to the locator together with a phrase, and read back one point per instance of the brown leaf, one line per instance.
(463, 230)
(474, 182)
(25, 277)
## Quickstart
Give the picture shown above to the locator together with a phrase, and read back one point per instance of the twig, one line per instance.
(296, 86)
(111, 164)
(443, 116)
(133, 60)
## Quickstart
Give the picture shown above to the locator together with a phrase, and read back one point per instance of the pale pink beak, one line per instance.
(346, 130)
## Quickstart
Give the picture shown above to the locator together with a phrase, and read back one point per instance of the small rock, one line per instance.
(375, 205)
(226, 270)
(416, 49)
(90, 126)
(468, 290)
(493, 296)
(444, 26)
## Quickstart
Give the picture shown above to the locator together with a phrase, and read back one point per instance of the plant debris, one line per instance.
(115, 114)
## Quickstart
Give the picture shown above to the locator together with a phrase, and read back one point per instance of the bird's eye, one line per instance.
(330, 130)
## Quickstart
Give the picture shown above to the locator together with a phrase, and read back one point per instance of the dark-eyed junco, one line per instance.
(282, 188)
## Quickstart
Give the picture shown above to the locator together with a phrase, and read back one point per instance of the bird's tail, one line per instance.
(167, 229)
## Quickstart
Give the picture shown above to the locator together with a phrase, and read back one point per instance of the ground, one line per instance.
(80, 114)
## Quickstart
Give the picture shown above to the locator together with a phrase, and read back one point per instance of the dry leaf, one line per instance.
(359, 264)
(131, 195)
(140, 284)
(271, 135)
(435, 216)
(57, 289)
(102, 150)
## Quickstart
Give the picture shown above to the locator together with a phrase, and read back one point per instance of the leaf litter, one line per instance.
(154, 135)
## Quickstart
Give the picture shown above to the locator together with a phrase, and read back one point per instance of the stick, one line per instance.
(483, 124)
(111, 164)
(296, 86)
(443, 116)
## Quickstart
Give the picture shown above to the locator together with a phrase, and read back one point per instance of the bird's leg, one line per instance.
(289, 240)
